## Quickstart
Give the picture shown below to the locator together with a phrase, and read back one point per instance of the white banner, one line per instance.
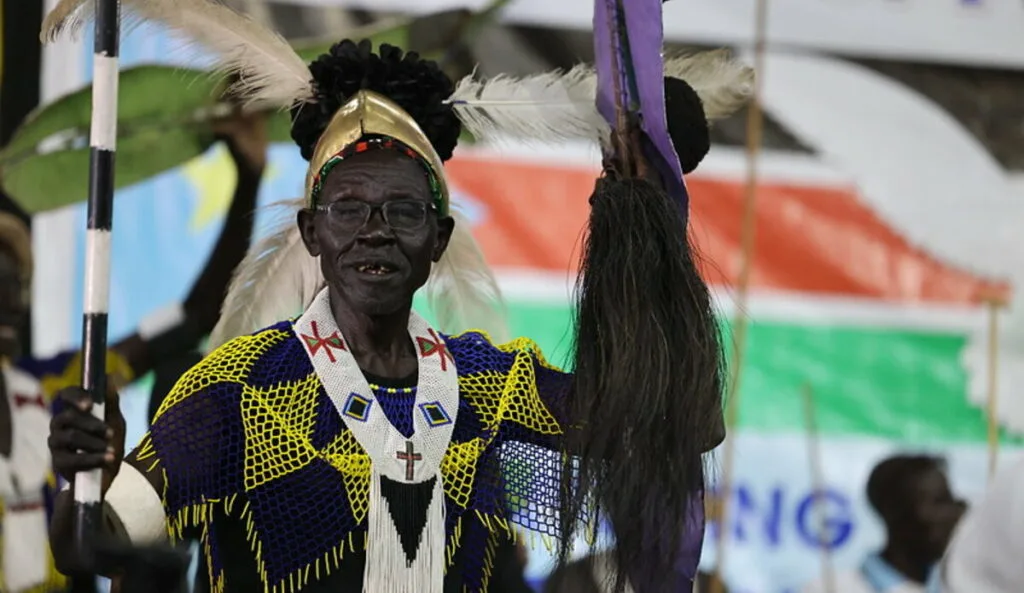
(970, 32)
(775, 543)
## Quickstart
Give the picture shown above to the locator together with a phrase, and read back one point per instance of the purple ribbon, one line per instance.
(634, 36)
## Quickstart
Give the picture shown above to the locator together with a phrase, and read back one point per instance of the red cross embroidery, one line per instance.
(436, 346)
(316, 342)
(21, 401)
(410, 457)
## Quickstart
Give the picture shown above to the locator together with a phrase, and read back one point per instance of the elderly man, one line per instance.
(359, 448)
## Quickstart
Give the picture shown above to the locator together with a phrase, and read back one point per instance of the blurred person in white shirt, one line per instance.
(911, 495)
(987, 551)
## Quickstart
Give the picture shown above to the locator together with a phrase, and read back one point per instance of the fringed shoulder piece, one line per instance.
(483, 340)
(196, 436)
(476, 355)
(231, 362)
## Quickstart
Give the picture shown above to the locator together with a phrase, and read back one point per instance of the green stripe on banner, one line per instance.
(890, 383)
(898, 384)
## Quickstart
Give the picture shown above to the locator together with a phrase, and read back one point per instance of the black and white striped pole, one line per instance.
(102, 142)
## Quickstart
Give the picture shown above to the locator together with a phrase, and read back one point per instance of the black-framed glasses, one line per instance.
(401, 215)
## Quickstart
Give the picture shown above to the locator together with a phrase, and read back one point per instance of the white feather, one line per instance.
(269, 72)
(462, 291)
(65, 18)
(69, 16)
(276, 280)
(722, 83)
(557, 106)
(548, 107)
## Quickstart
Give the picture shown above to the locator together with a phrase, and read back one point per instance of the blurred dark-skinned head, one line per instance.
(15, 282)
(911, 494)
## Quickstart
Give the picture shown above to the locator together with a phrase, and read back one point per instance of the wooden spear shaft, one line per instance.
(755, 130)
(992, 401)
(818, 482)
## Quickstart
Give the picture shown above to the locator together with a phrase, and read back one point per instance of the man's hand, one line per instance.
(81, 442)
(246, 137)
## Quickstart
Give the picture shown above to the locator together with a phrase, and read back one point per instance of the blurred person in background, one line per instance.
(987, 551)
(28, 384)
(911, 495)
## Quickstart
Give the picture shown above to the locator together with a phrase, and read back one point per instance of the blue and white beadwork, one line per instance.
(435, 414)
(357, 407)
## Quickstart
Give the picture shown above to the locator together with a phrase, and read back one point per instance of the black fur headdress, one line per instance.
(418, 86)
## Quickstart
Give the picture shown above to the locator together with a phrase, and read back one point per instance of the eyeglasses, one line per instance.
(402, 215)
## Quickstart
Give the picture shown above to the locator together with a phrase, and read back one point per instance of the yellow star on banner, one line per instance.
(213, 177)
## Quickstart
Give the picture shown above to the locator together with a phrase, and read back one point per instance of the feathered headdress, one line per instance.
(552, 106)
(267, 73)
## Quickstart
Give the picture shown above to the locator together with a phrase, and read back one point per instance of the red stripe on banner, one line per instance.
(810, 237)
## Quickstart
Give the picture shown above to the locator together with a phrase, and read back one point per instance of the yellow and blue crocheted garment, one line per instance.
(250, 436)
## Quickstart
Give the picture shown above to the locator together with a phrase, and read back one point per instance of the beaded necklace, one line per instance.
(392, 390)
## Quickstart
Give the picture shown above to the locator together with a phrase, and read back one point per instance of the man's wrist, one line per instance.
(247, 168)
(248, 165)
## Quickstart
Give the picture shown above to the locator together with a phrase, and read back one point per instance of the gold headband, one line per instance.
(369, 113)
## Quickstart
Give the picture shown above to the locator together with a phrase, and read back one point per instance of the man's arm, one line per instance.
(181, 328)
(182, 462)
(80, 442)
(134, 491)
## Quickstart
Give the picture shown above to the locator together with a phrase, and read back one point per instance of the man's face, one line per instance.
(376, 267)
(12, 304)
(933, 511)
